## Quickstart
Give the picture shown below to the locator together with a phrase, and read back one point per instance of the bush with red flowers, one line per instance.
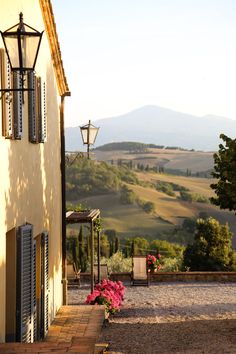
(108, 293)
(153, 263)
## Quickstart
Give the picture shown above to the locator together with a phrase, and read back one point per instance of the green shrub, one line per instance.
(166, 249)
(117, 263)
(165, 187)
(211, 249)
(127, 196)
(172, 264)
(193, 197)
(185, 196)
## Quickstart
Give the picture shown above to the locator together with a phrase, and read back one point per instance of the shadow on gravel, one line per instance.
(193, 310)
(214, 336)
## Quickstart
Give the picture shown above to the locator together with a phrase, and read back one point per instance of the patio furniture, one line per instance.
(73, 275)
(140, 275)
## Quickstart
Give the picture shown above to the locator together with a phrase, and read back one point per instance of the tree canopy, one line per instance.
(225, 172)
(211, 249)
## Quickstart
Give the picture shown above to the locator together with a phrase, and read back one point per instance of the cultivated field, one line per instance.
(196, 161)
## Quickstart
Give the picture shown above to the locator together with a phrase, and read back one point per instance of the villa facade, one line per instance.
(31, 256)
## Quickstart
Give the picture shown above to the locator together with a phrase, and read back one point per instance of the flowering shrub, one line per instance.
(153, 263)
(108, 293)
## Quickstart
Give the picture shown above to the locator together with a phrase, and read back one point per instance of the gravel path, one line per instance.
(170, 318)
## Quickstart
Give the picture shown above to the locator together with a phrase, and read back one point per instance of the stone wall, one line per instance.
(174, 277)
(194, 276)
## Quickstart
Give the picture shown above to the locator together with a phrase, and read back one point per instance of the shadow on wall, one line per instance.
(34, 180)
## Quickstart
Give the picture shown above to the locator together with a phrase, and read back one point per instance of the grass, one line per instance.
(194, 184)
(127, 220)
(168, 208)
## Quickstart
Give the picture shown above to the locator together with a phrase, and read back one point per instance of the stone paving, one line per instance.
(75, 330)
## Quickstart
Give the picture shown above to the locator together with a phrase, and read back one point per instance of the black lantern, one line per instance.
(89, 133)
(22, 44)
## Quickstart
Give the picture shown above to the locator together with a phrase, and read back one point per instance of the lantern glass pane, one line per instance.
(92, 134)
(84, 133)
(11, 43)
(31, 44)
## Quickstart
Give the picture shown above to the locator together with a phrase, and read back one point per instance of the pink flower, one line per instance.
(108, 293)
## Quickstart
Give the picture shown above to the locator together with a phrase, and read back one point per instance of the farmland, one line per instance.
(169, 210)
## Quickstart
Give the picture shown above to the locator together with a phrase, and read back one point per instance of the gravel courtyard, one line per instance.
(172, 318)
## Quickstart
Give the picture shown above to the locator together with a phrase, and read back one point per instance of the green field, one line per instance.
(127, 220)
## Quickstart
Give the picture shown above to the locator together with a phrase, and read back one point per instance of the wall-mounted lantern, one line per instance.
(89, 133)
(22, 44)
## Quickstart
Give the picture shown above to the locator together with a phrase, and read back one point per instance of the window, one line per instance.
(12, 104)
(27, 287)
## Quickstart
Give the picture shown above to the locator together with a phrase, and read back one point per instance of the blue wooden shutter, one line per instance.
(26, 296)
(7, 117)
(17, 105)
(32, 107)
(45, 283)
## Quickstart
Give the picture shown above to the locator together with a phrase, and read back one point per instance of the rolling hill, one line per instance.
(99, 185)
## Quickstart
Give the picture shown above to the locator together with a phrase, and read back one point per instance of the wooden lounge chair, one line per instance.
(103, 272)
(73, 275)
(140, 274)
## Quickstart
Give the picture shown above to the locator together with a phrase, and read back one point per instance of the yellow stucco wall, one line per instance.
(30, 185)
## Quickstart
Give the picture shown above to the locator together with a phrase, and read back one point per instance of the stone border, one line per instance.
(173, 277)
(181, 276)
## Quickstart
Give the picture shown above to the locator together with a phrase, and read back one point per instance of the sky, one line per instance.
(120, 55)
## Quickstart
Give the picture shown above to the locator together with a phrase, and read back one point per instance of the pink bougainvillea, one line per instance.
(153, 263)
(108, 293)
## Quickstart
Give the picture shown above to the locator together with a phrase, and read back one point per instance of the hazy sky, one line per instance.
(122, 54)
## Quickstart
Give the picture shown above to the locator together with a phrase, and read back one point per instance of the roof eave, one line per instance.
(50, 27)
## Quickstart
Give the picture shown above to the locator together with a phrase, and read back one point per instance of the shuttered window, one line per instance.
(25, 285)
(37, 109)
(12, 104)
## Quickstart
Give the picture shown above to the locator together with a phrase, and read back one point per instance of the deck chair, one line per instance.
(73, 275)
(103, 272)
(140, 274)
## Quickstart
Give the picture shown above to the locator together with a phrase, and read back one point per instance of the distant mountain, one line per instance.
(161, 126)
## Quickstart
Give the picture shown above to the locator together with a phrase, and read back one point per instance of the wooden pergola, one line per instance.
(88, 217)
